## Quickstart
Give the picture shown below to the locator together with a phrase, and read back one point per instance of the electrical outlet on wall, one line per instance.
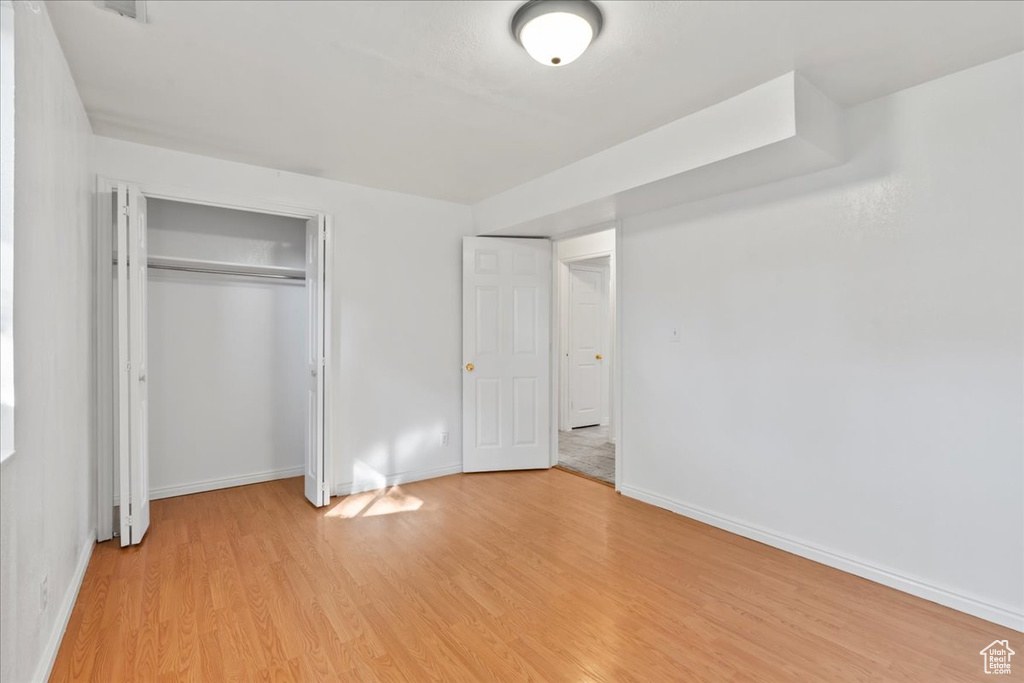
(44, 594)
(444, 439)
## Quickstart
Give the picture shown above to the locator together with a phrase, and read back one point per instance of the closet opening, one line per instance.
(218, 351)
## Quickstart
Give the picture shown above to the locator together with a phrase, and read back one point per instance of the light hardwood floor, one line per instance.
(508, 576)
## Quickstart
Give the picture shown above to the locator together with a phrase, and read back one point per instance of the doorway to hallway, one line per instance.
(585, 275)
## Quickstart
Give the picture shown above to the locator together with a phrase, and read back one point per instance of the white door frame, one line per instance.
(106, 334)
(559, 304)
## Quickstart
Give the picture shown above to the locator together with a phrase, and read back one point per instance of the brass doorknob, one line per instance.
(599, 356)
(470, 367)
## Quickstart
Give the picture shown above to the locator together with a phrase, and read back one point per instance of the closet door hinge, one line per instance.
(129, 520)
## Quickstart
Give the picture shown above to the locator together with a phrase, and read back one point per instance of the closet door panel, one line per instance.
(123, 368)
(132, 364)
(315, 470)
(138, 323)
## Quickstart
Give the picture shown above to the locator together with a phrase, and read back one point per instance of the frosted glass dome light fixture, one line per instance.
(556, 32)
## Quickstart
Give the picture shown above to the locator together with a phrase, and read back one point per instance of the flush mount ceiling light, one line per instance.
(556, 32)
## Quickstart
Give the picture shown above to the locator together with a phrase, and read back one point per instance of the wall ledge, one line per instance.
(779, 129)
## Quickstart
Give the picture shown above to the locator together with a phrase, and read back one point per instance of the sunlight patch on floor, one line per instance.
(375, 503)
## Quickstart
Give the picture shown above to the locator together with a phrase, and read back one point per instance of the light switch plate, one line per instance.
(673, 334)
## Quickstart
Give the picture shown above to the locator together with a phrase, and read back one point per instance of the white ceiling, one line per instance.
(436, 99)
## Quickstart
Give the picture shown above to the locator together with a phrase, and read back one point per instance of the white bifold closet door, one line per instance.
(133, 390)
(506, 323)
(132, 362)
(316, 486)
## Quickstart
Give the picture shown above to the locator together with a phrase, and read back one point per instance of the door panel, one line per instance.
(138, 279)
(124, 403)
(506, 373)
(487, 327)
(315, 486)
(488, 411)
(524, 420)
(133, 364)
(524, 321)
(587, 303)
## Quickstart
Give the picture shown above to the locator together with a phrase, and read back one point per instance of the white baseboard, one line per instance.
(214, 484)
(66, 607)
(995, 613)
(349, 487)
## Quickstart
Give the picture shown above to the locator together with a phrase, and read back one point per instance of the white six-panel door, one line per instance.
(133, 363)
(316, 487)
(506, 320)
(587, 313)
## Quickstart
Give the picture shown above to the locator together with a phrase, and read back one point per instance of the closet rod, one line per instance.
(220, 268)
(215, 271)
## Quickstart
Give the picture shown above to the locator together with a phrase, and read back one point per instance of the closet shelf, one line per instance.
(224, 268)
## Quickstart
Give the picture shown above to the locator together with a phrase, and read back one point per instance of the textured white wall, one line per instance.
(47, 516)
(849, 374)
(396, 306)
(6, 229)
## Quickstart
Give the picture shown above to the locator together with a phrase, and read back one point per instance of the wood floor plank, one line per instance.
(505, 576)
